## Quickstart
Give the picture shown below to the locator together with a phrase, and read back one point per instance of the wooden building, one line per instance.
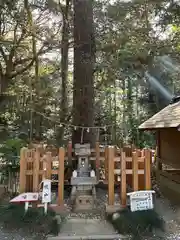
(166, 124)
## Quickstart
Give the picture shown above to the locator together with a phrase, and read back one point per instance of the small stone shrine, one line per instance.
(83, 180)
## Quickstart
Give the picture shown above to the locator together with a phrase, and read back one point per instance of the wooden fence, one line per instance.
(131, 167)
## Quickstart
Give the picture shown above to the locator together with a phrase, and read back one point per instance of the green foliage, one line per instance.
(33, 222)
(10, 151)
(46, 70)
(130, 36)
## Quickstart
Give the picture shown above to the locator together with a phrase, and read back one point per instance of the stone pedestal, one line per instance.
(83, 183)
(84, 203)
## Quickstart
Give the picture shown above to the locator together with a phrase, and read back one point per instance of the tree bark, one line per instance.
(64, 70)
(84, 59)
(130, 109)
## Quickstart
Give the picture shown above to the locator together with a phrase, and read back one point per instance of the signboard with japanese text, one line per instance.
(26, 197)
(46, 193)
(141, 200)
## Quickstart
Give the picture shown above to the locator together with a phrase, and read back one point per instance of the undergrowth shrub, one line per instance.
(137, 223)
(34, 221)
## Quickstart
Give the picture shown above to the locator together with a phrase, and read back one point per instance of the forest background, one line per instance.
(95, 69)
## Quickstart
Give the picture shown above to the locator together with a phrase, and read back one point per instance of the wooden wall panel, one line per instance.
(170, 146)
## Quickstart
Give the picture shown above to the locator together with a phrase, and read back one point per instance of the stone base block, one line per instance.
(84, 202)
(113, 208)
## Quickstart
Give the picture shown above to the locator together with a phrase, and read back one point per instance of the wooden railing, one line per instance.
(132, 167)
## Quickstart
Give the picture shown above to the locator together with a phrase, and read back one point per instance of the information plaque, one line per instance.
(141, 200)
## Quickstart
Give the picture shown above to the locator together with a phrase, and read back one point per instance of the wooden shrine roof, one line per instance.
(169, 117)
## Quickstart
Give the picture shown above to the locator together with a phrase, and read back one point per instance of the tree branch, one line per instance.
(16, 44)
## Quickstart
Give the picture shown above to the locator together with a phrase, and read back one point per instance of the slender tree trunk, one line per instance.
(124, 126)
(138, 116)
(64, 70)
(115, 114)
(130, 109)
(4, 83)
(84, 58)
(33, 116)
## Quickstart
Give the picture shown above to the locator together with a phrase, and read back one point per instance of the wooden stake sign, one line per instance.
(26, 198)
(46, 194)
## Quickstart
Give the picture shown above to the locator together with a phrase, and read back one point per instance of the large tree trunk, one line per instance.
(84, 58)
(64, 70)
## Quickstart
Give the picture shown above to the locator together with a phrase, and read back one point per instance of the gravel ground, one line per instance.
(17, 235)
(13, 235)
(171, 216)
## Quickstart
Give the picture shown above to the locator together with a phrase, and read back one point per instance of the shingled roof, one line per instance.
(169, 117)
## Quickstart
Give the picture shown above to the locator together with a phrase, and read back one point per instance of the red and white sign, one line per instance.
(26, 197)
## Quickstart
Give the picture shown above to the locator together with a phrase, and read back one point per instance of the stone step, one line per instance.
(85, 215)
(88, 237)
(78, 228)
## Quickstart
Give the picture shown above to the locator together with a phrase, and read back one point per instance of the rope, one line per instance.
(98, 134)
(61, 124)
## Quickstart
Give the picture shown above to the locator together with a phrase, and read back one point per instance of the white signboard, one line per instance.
(46, 193)
(82, 149)
(25, 197)
(141, 200)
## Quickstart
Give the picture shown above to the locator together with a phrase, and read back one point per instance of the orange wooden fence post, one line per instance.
(61, 176)
(106, 163)
(22, 177)
(147, 169)
(36, 164)
(44, 175)
(123, 179)
(135, 171)
(97, 161)
(110, 175)
(142, 152)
